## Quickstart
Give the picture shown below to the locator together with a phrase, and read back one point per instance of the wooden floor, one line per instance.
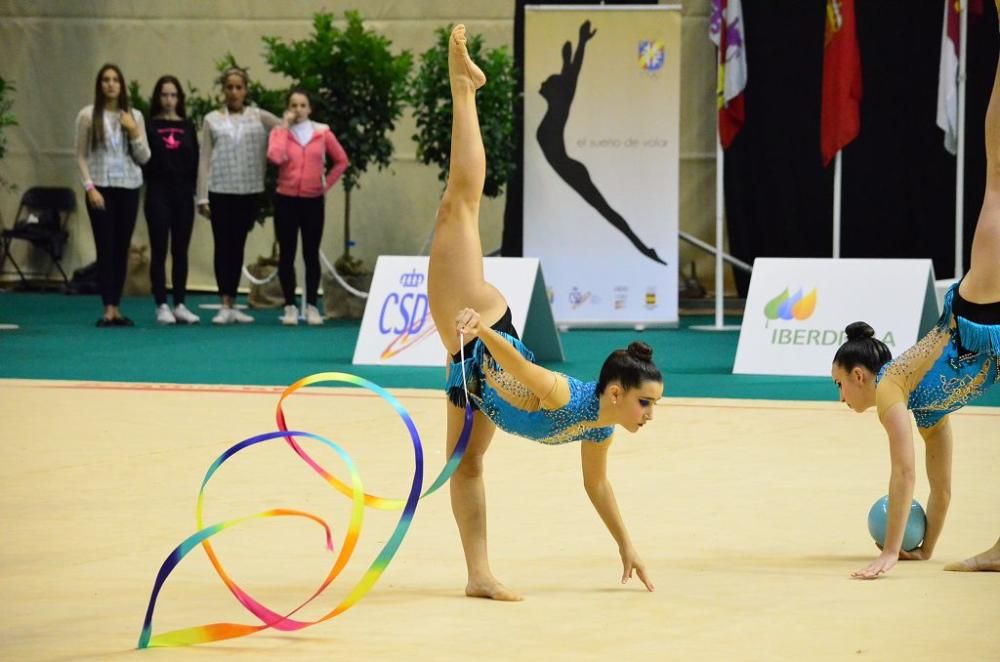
(749, 514)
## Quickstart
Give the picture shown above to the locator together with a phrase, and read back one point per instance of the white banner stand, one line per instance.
(397, 328)
(797, 310)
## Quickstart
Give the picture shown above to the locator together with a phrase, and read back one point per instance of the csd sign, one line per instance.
(405, 311)
(398, 329)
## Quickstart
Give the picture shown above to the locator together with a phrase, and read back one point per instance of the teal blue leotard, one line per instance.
(951, 366)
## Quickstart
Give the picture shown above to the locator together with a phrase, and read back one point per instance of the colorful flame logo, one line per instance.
(406, 340)
(788, 307)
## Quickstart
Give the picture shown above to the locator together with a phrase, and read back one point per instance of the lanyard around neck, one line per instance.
(112, 134)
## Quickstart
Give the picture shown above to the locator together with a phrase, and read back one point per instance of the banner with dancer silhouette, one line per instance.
(601, 160)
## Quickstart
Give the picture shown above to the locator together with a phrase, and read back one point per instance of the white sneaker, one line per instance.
(185, 316)
(224, 316)
(313, 317)
(291, 316)
(163, 315)
(240, 316)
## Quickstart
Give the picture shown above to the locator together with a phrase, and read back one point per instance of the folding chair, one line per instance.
(41, 220)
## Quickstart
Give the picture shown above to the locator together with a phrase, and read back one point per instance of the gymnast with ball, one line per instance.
(950, 367)
(506, 388)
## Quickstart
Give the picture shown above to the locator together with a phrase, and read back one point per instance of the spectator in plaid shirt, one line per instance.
(230, 180)
(110, 148)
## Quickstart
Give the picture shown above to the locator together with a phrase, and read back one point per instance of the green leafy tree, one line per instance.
(6, 119)
(358, 87)
(430, 95)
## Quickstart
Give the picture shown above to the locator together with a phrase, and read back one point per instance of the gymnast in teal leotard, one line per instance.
(506, 387)
(950, 367)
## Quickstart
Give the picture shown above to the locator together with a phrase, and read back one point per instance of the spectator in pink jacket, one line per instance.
(299, 148)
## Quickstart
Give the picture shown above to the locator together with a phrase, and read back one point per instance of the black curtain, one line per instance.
(513, 215)
(898, 180)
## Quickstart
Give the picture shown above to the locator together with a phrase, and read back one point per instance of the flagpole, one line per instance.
(963, 21)
(837, 178)
(720, 198)
(720, 213)
(720, 208)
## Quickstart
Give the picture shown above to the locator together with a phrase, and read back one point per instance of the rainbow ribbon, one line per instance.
(360, 499)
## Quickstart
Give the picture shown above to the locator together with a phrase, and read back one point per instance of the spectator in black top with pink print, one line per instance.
(171, 176)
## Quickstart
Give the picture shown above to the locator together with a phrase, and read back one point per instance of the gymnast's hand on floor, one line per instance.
(468, 323)
(883, 564)
(631, 562)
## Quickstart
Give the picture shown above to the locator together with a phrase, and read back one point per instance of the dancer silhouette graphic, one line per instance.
(558, 90)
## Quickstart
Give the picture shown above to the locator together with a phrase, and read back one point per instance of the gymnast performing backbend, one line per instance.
(955, 363)
(507, 389)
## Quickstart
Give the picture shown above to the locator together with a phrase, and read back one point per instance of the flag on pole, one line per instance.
(951, 38)
(725, 29)
(947, 109)
(840, 115)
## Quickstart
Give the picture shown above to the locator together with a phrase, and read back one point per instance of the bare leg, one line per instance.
(468, 503)
(455, 275)
(982, 283)
(988, 561)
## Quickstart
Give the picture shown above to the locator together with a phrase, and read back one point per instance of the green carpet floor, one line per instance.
(57, 339)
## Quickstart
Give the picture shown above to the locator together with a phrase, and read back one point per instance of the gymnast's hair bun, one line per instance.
(640, 351)
(859, 331)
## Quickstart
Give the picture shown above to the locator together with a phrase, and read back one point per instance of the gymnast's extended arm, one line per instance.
(902, 477)
(594, 459)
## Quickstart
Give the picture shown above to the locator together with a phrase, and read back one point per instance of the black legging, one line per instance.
(232, 219)
(170, 216)
(290, 215)
(113, 228)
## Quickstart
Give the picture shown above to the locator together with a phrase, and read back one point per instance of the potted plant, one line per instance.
(6, 119)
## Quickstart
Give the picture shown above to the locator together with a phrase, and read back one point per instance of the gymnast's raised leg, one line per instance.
(455, 281)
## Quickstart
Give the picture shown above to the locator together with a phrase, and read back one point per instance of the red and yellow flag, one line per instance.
(840, 116)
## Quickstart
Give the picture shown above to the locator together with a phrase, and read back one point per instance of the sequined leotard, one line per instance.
(515, 409)
(955, 363)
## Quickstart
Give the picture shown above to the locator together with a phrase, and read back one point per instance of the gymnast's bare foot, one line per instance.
(461, 68)
(988, 561)
(491, 589)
